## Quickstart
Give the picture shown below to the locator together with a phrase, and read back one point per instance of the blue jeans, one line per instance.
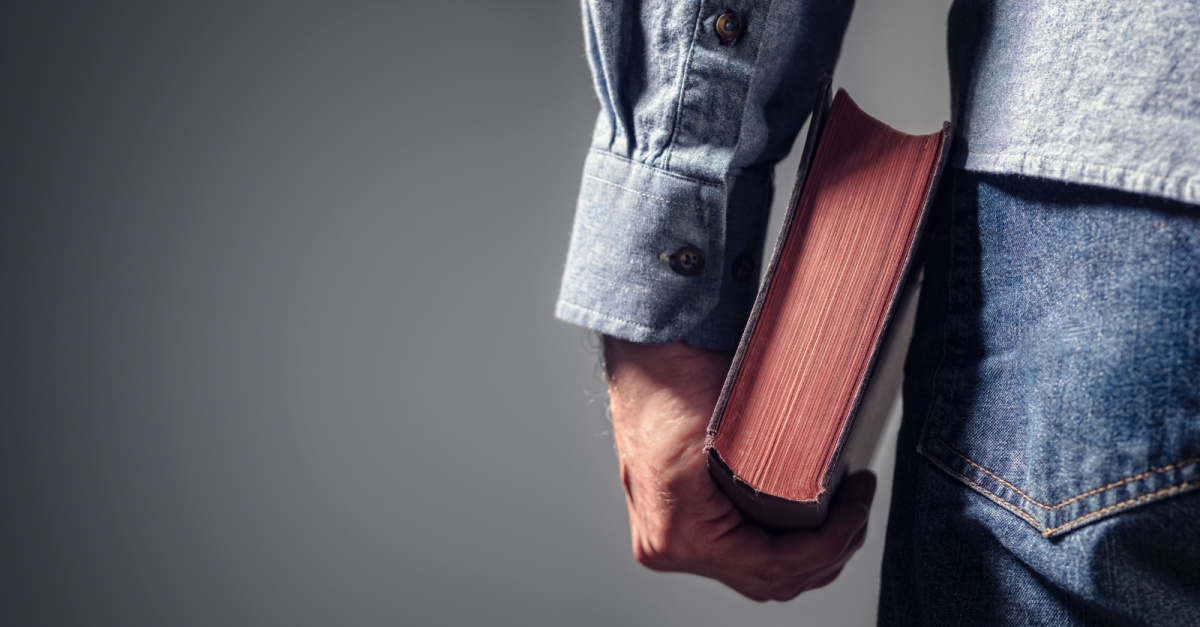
(1051, 439)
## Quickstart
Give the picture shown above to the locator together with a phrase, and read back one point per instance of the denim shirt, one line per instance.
(671, 217)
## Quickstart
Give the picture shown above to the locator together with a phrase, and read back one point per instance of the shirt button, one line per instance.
(729, 26)
(743, 267)
(687, 261)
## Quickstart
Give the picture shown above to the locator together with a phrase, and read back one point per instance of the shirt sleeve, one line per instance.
(699, 100)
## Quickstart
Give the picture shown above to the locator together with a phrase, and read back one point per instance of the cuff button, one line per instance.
(687, 261)
(729, 26)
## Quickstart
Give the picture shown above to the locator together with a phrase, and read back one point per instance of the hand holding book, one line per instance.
(794, 413)
(661, 400)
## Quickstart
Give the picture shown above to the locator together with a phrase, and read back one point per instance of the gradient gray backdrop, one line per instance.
(276, 343)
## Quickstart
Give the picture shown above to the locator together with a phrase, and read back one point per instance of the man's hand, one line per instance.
(662, 398)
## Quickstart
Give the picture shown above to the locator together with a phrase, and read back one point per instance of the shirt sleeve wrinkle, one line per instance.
(682, 151)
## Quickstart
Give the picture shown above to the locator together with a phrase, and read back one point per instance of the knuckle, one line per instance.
(646, 556)
(657, 551)
(773, 575)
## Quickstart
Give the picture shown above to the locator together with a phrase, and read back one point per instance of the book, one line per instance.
(820, 362)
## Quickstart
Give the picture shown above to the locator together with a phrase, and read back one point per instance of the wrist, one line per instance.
(633, 367)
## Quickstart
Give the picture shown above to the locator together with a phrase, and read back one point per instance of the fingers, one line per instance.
(824, 576)
(761, 566)
(845, 523)
(827, 544)
(806, 560)
(764, 567)
(845, 527)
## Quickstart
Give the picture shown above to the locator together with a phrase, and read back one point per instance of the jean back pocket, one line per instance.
(1064, 365)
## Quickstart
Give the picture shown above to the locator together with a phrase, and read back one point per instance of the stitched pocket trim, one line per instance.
(1071, 513)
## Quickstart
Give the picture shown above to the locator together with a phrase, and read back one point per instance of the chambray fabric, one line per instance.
(1088, 91)
(683, 150)
(1050, 452)
(1103, 92)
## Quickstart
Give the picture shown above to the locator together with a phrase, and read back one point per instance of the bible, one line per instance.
(819, 364)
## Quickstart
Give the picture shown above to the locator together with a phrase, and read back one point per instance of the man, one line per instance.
(1051, 438)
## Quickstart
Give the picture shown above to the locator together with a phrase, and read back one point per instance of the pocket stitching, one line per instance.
(1115, 484)
(1162, 492)
(999, 500)
(1045, 530)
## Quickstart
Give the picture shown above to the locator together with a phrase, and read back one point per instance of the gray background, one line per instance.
(276, 343)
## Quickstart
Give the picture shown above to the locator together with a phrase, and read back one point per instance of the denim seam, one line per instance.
(995, 497)
(1115, 484)
(1047, 531)
(565, 303)
(929, 418)
(1162, 492)
(643, 194)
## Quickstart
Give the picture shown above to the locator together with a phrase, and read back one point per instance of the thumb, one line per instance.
(857, 488)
